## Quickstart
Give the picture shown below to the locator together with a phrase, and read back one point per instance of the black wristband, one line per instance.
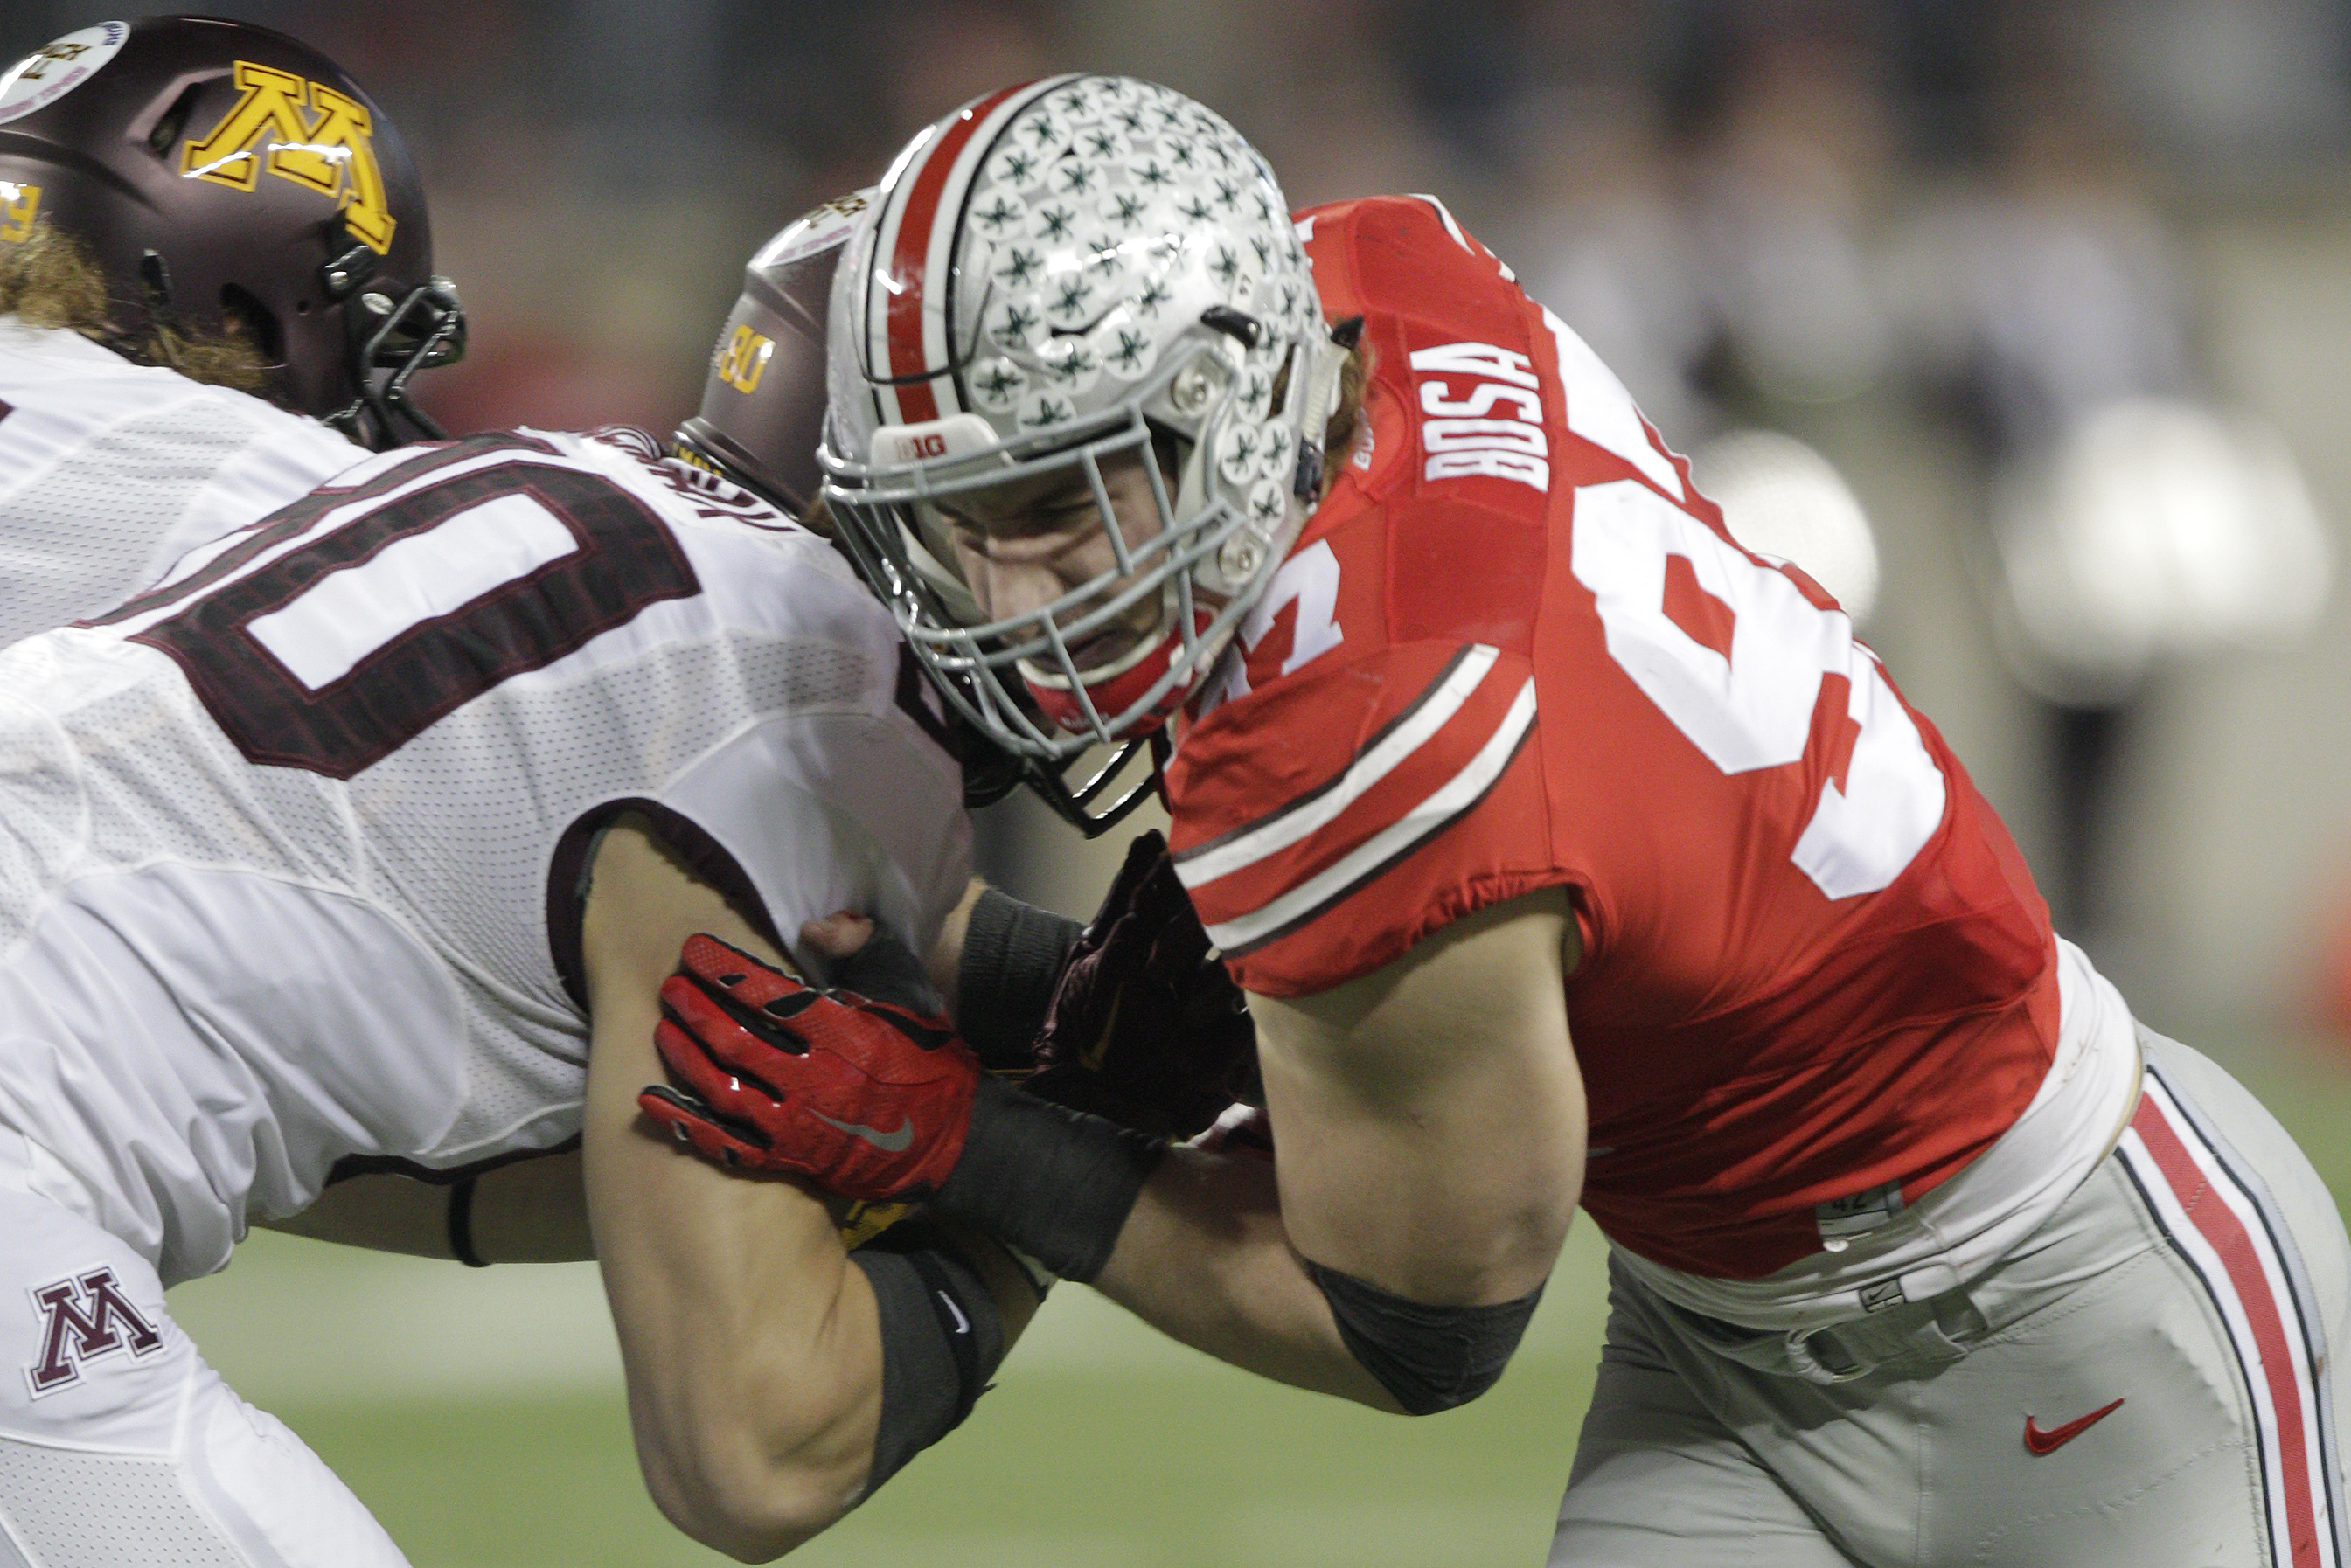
(1055, 1183)
(461, 1224)
(1013, 954)
(942, 1338)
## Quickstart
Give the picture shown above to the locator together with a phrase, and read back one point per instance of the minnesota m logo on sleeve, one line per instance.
(82, 1318)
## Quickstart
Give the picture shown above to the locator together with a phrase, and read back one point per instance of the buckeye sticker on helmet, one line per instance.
(57, 67)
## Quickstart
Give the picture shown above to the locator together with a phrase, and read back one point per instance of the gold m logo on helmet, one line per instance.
(330, 147)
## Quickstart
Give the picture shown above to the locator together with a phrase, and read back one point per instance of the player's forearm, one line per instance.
(752, 1355)
(1205, 1259)
(528, 1212)
(946, 957)
(1002, 959)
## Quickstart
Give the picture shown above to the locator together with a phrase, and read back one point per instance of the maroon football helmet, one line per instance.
(763, 408)
(222, 175)
(763, 405)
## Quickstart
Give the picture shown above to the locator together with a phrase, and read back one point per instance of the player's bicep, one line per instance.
(663, 1219)
(1429, 1116)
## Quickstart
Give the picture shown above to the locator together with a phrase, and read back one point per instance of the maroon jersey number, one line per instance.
(426, 594)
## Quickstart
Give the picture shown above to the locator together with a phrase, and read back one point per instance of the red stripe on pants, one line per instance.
(2227, 1236)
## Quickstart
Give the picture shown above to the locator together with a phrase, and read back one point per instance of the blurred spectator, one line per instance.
(2033, 297)
(1607, 246)
(2130, 526)
(1790, 159)
(1709, 240)
(2232, 86)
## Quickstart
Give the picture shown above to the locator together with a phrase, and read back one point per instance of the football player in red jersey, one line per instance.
(1567, 851)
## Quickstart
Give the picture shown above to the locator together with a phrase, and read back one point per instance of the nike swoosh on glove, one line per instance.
(869, 1099)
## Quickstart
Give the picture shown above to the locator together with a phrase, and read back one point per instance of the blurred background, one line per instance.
(2025, 325)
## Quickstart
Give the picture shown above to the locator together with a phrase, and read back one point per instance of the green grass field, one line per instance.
(480, 1415)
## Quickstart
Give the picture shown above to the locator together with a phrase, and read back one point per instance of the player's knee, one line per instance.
(1430, 1359)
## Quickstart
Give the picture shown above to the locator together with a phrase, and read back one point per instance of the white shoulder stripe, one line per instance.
(1445, 216)
(204, 556)
(1383, 848)
(1434, 709)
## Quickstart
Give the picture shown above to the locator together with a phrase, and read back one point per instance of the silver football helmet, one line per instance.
(1055, 274)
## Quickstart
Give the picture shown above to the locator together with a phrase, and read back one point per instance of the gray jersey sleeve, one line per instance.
(109, 472)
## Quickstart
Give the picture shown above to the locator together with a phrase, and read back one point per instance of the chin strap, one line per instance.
(1322, 391)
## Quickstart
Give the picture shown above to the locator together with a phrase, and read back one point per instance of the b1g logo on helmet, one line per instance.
(82, 1319)
(327, 146)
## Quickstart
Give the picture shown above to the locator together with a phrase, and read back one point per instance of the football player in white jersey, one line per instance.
(145, 1120)
(364, 839)
(215, 284)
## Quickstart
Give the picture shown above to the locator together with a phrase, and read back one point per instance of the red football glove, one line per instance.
(869, 1099)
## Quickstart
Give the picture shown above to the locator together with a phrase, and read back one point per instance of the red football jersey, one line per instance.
(1514, 649)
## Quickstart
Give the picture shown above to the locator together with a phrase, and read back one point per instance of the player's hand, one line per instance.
(871, 1099)
(1146, 1027)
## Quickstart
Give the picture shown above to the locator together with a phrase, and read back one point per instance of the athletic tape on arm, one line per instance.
(1431, 1358)
(1055, 1183)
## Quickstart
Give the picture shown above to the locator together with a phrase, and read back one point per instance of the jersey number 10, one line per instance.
(433, 581)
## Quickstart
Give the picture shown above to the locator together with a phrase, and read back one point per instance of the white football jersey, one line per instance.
(291, 844)
(109, 472)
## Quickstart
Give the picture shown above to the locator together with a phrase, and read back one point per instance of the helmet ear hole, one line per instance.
(243, 315)
(155, 277)
(1278, 399)
(173, 120)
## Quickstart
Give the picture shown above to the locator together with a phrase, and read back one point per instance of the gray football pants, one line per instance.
(2145, 1383)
